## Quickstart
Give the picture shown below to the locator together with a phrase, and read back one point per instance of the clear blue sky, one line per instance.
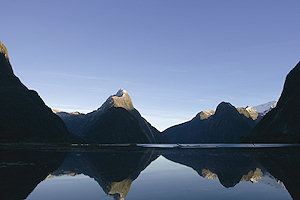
(174, 57)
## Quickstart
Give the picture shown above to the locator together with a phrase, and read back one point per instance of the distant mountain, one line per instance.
(116, 121)
(259, 111)
(227, 125)
(282, 124)
(74, 121)
(265, 108)
(24, 116)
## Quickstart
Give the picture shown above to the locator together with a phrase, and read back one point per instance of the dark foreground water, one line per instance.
(151, 173)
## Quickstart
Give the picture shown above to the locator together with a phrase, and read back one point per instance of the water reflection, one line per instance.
(230, 166)
(116, 170)
(22, 170)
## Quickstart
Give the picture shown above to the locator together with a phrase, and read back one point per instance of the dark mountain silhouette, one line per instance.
(282, 124)
(24, 116)
(116, 121)
(227, 125)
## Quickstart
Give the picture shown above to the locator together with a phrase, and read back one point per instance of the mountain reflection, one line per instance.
(116, 169)
(22, 170)
(230, 166)
(233, 165)
(283, 164)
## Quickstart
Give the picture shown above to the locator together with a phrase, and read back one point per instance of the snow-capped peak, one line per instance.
(120, 100)
(264, 108)
(121, 92)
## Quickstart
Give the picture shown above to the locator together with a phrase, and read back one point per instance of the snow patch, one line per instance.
(266, 107)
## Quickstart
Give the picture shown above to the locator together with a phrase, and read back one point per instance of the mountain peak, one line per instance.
(282, 124)
(225, 110)
(121, 92)
(224, 106)
(5, 66)
(3, 50)
(120, 100)
(291, 85)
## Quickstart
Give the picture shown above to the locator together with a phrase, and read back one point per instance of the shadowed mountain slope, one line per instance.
(24, 116)
(282, 124)
(116, 121)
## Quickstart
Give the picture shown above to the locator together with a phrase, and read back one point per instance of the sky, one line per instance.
(174, 57)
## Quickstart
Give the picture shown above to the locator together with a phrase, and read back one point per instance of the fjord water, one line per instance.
(231, 172)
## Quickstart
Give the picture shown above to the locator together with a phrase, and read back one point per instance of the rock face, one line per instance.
(24, 116)
(116, 121)
(227, 125)
(252, 112)
(282, 124)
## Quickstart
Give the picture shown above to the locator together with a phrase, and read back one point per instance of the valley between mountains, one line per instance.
(25, 118)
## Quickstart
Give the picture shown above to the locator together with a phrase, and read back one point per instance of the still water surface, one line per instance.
(151, 173)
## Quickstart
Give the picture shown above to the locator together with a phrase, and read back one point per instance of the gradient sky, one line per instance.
(174, 57)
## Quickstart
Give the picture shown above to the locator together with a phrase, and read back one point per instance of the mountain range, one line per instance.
(227, 124)
(26, 118)
(274, 122)
(117, 121)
